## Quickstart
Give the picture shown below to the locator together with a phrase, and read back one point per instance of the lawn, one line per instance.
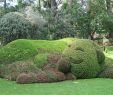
(76, 87)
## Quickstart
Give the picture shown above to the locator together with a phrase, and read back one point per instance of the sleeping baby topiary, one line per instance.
(77, 58)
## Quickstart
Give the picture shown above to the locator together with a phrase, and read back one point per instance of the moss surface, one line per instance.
(24, 49)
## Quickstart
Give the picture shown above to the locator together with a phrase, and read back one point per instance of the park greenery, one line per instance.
(48, 41)
(50, 19)
(30, 61)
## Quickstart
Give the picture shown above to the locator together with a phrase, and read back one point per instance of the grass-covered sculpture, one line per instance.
(34, 61)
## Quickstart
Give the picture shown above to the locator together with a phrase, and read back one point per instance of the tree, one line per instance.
(14, 26)
(109, 6)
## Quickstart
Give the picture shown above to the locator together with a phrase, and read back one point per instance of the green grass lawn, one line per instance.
(76, 87)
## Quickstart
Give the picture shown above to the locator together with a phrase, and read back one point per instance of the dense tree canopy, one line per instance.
(67, 18)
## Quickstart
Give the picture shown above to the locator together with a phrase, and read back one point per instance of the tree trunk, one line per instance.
(5, 6)
(109, 6)
(53, 7)
(39, 5)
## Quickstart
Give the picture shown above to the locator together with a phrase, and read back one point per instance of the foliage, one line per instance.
(11, 71)
(17, 50)
(79, 18)
(83, 59)
(27, 49)
(58, 25)
(40, 60)
(88, 16)
(14, 26)
(24, 78)
(1, 12)
(70, 76)
(54, 57)
(52, 61)
(107, 73)
(53, 75)
(34, 17)
(41, 77)
(59, 19)
(100, 57)
(37, 21)
(64, 65)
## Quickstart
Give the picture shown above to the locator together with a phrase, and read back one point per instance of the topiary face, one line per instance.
(83, 57)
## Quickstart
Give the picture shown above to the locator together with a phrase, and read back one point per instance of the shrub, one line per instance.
(11, 71)
(100, 56)
(50, 66)
(41, 77)
(26, 49)
(0, 72)
(47, 60)
(107, 73)
(84, 71)
(35, 17)
(60, 76)
(53, 58)
(16, 51)
(14, 26)
(53, 75)
(70, 76)
(24, 78)
(52, 61)
(2, 68)
(64, 65)
(40, 60)
(83, 58)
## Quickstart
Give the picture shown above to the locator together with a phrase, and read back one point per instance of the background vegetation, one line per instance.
(50, 19)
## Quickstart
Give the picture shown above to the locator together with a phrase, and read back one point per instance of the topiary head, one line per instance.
(83, 57)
